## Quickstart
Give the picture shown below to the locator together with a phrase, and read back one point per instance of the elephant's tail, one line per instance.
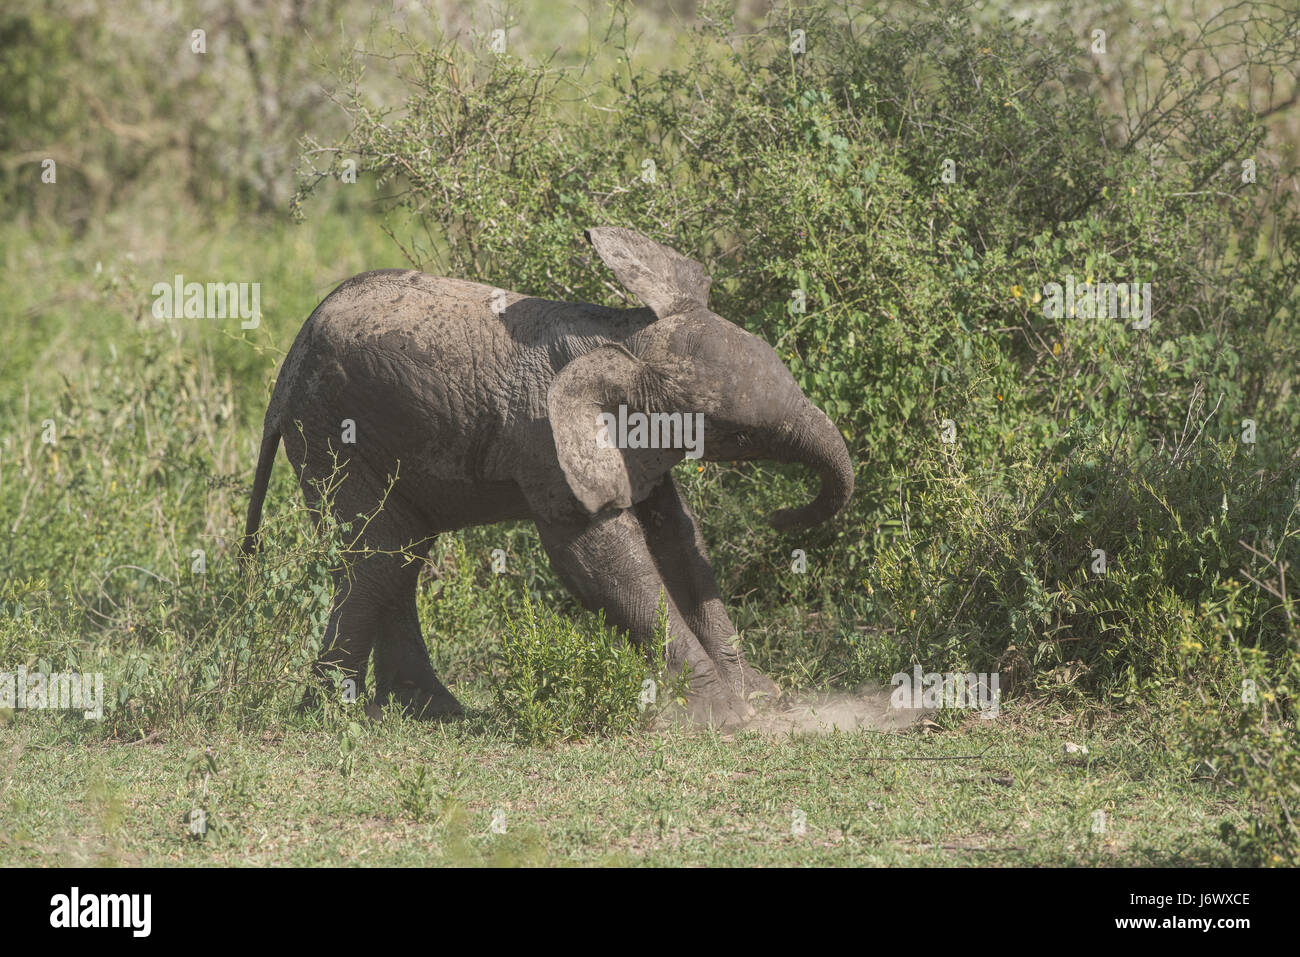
(265, 460)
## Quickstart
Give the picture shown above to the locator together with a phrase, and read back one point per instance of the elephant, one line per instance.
(471, 405)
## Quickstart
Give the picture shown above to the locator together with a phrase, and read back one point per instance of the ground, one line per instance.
(1000, 792)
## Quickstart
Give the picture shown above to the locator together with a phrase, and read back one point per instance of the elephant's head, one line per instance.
(688, 362)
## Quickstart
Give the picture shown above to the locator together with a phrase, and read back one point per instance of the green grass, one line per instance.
(1004, 794)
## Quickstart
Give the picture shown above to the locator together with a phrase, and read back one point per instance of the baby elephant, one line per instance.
(491, 406)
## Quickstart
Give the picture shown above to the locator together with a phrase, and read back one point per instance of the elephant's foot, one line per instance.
(424, 702)
(756, 686)
(725, 712)
(710, 698)
(711, 702)
(747, 683)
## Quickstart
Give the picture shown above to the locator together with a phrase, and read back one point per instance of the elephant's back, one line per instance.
(419, 363)
(440, 368)
(403, 309)
(432, 332)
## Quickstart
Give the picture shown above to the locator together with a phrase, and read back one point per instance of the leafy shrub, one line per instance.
(1093, 570)
(127, 546)
(141, 108)
(464, 600)
(1240, 725)
(565, 679)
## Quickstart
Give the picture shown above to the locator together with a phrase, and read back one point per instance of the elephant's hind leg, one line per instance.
(374, 609)
(403, 672)
(345, 647)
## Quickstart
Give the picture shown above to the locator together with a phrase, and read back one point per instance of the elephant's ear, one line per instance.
(662, 278)
(599, 473)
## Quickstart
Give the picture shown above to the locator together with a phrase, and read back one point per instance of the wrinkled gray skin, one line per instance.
(492, 417)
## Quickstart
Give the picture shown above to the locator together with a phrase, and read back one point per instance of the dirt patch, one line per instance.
(820, 712)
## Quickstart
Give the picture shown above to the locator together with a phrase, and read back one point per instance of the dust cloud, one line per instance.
(820, 712)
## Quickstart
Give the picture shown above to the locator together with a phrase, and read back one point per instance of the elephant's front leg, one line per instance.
(607, 564)
(678, 548)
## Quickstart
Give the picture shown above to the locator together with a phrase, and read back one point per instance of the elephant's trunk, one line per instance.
(812, 439)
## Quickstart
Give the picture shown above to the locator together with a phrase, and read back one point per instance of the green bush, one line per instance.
(125, 555)
(563, 679)
(1240, 726)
